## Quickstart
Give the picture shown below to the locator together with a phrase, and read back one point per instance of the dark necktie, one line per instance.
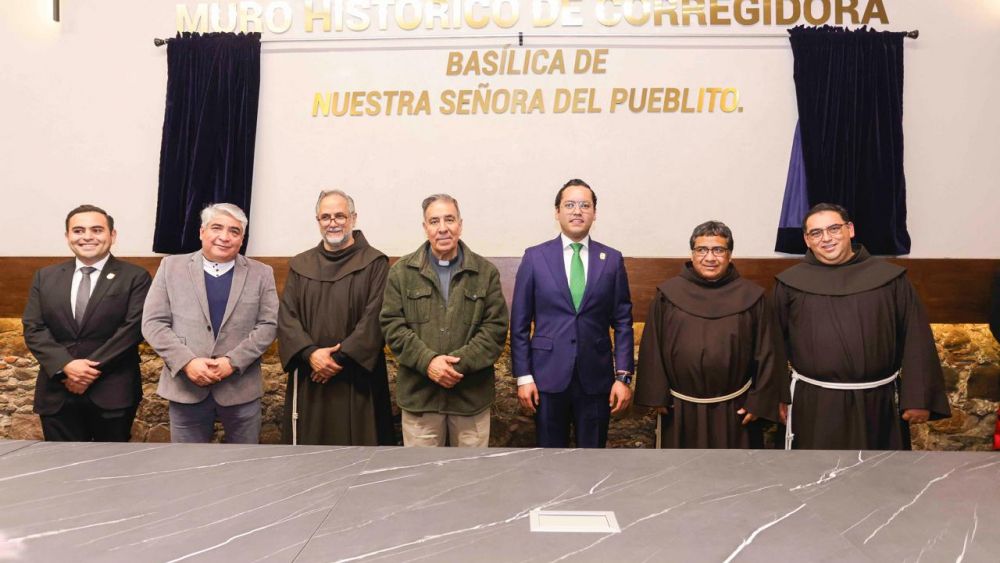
(83, 294)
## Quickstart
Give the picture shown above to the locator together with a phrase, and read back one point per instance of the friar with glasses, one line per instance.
(711, 359)
(860, 347)
(329, 336)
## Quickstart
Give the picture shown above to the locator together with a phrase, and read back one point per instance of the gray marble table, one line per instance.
(164, 502)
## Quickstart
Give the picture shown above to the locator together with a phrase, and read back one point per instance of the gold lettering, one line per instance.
(537, 102)
(694, 8)
(600, 59)
(811, 17)
(423, 104)
(357, 17)
(563, 97)
(481, 101)
(408, 20)
(734, 104)
(437, 10)
(672, 101)
(454, 63)
(447, 106)
(473, 21)
(320, 102)
(661, 7)
(544, 12)
(509, 20)
(215, 18)
(781, 18)
(324, 14)
(718, 13)
(271, 16)
(603, 17)
(746, 12)
(198, 23)
(251, 17)
(875, 10)
(637, 19)
(618, 97)
(372, 100)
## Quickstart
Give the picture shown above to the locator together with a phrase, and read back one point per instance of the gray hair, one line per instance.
(440, 197)
(713, 229)
(327, 193)
(214, 209)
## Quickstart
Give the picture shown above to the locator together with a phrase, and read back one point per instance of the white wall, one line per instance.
(82, 107)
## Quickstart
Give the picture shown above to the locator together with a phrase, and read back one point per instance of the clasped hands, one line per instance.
(80, 373)
(442, 371)
(208, 371)
(324, 367)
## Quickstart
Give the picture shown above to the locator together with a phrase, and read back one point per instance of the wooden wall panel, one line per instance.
(953, 290)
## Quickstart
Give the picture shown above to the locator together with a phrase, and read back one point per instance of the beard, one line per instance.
(336, 240)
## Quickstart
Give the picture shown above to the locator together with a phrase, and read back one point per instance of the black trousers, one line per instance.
(589, 415)
(80, 420)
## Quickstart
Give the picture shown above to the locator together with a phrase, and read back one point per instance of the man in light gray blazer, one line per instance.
(211, 315)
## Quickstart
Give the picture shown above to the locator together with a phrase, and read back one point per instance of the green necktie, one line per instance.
(576, 279)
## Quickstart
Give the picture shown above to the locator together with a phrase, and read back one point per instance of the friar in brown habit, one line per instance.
(329, 336)
(711, 358)
(861, 349)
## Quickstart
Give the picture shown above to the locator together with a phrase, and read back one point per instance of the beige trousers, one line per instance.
(429, 429)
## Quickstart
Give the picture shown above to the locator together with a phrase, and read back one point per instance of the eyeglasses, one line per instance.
(833, 230)
(339, 218)
(582, 205)
(717, 251)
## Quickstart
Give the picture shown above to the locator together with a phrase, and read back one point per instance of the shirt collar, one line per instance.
(566, 241)
(216, 269)
(97, 266)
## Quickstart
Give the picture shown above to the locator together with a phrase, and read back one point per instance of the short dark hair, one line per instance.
(821, 207)
(87, 208)
(440, 197)
(713, 229)
(572, 183)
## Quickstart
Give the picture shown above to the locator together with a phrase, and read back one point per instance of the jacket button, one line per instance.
(209, 327)
(573, 341)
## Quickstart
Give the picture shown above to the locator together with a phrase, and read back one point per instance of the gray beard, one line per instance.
(336, 242)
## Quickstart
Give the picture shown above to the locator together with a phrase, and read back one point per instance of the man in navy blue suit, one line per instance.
(574, 289)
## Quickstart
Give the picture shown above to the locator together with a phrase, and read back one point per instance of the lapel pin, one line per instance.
(603, 256)
(111, 276)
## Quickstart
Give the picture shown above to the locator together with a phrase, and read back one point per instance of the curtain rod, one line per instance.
(521, 36)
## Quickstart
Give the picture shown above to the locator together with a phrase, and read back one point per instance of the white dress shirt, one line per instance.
(78, 275)
(216, 269)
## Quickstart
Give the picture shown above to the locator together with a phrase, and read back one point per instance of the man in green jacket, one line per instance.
(445, 319)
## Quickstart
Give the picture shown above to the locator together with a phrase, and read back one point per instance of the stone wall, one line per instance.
(970, 356)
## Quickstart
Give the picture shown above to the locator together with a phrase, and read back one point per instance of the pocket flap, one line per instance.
(418, 292)
(541, 343)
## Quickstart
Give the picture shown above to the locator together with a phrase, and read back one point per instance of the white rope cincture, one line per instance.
(295, 407)
(713, 400)
(796, 376)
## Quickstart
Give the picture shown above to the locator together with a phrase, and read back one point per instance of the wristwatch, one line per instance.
(625, 378)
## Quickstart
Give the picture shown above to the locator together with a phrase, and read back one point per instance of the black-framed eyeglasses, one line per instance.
(833, 230)
(339, 218)
(581, 205)
(717, 251)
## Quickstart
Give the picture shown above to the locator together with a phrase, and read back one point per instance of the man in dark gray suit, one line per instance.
(82, 325)
(211, 315)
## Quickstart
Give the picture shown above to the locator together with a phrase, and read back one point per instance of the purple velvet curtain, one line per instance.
(849, 141)
(209, 129)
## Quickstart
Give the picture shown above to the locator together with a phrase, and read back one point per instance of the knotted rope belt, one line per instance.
(700, 401)
(796, 376)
